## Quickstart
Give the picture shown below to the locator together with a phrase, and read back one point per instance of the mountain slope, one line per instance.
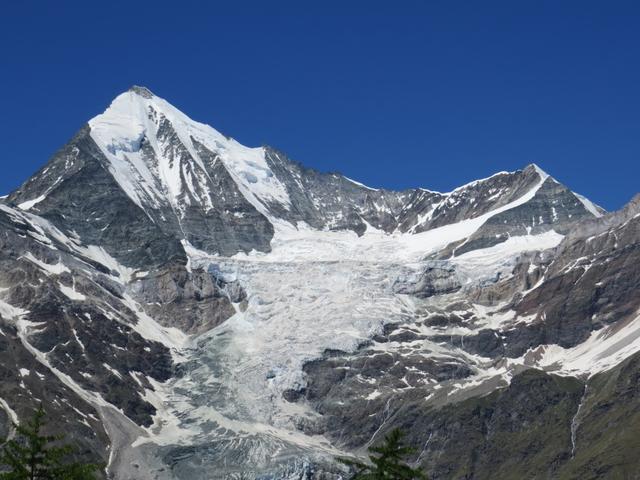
(218, 306)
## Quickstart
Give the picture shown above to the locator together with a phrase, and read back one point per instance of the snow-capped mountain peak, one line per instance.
(157, 154)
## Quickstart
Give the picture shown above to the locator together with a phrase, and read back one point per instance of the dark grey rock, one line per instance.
(83, 198)
(438, 278)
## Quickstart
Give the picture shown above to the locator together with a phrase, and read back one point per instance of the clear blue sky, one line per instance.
(394, 94)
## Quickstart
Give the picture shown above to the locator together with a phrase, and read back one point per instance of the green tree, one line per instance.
(32, 456)
(387, 461)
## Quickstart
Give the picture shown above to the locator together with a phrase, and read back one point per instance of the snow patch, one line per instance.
(71, 293)
(360, 184)
(10, 312)
(51, 269)
(13, 416)
(31, 203)
(589, 205)
(603, 350)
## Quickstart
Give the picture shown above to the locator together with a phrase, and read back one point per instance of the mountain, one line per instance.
(192, 308)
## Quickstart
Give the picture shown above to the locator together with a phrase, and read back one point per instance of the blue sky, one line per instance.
(394, 94)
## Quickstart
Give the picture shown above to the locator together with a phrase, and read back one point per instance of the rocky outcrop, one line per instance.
(192, 301)
(590, 284)
(438, 278)
(26, 383)
(78, 194)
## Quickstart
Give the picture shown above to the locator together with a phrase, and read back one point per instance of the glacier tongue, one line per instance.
(315, 292)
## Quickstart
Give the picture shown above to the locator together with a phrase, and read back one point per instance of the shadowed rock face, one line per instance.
(589, 285)
(25, 383)
(195, 302)
(82, 197)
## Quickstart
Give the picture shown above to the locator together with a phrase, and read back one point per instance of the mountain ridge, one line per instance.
(168, 166)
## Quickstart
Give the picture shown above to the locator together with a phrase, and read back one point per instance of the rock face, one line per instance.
(79, 195)
(437, 279)
(194, 302)
(553, 204)
(187, 305)
(79, 323)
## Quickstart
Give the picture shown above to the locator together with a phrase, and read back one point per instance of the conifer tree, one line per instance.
(387, 461)
(32, 456)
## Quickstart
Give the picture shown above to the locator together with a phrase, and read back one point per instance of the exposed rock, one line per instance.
(436, 279)
(192, 301)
